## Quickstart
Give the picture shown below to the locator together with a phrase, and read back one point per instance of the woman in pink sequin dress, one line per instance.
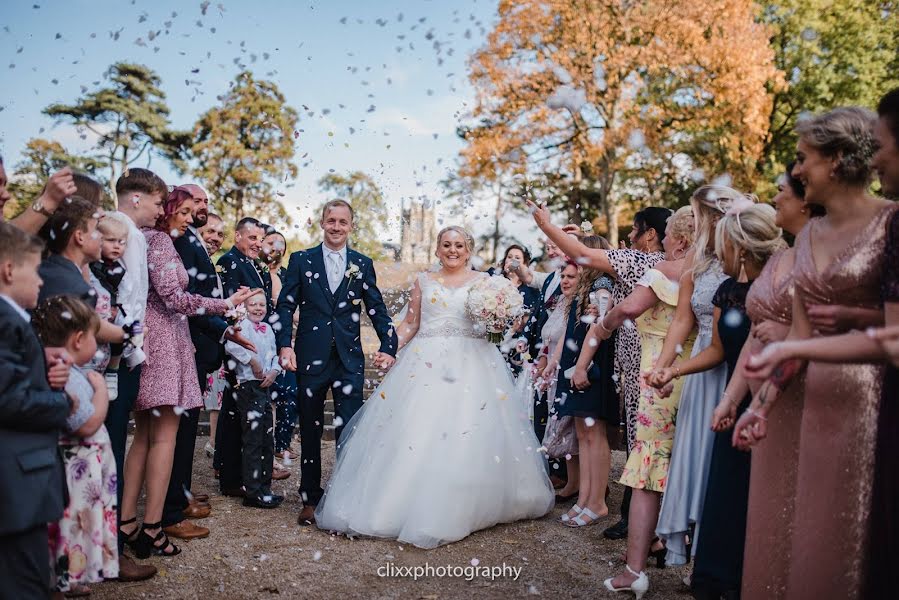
(168, 382)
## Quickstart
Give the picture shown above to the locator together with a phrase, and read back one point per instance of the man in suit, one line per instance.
(207, 332)
(33, 411)
(238, 268)
(328, 284)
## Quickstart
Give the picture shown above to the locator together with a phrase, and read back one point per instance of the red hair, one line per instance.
(173, 202)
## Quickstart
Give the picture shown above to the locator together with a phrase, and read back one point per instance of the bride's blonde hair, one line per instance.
(469, 240)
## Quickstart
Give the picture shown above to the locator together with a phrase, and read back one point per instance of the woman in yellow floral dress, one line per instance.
(651, 306)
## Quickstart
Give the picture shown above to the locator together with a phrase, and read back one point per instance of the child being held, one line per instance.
(256, 372)
(106, 276)
(84, 542)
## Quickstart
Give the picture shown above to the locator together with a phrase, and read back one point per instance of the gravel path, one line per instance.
(254, 553)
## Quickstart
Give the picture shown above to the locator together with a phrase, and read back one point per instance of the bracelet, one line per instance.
(752, 412)
(676, 372)
(602, 325)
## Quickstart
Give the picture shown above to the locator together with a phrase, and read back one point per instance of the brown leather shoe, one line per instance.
(200, 498)
(279, 474)
(199, 504)
(306, 516)
(131, 571)
(196, 511)
(186, 530)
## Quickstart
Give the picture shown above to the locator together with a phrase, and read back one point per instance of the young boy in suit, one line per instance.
(33, 410)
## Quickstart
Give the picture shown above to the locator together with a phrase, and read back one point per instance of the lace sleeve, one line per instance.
(890, 279)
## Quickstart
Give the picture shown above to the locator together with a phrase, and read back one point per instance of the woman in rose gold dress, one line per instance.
(772, 482)
(838, 259)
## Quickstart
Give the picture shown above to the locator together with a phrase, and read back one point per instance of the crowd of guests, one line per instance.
(101, 308)
(710, 335)
(726, 338)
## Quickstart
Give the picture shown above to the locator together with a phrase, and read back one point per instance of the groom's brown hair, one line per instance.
(334, 204)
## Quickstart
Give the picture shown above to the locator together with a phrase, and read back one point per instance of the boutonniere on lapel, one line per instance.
(353, 272)
(261, 267)
(219, 269)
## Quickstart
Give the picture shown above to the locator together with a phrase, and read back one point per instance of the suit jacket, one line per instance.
(328, 319)
(206, 331)
(538, 318)
(32, 481)
(238, 269)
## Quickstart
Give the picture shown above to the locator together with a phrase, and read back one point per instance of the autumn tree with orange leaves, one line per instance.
(593, 102)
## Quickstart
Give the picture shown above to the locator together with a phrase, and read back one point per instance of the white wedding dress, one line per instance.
(442, 447)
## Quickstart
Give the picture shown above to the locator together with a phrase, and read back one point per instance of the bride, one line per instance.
(442, 447)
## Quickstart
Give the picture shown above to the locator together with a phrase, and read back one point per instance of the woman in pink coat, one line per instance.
(168, 381)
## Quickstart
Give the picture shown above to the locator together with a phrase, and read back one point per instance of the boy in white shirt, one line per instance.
(256, 372)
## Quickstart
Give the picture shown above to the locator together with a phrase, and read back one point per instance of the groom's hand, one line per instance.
(384, 360)
(288, 359)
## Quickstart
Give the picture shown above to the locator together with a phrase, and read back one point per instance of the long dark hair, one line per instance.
(816, 210)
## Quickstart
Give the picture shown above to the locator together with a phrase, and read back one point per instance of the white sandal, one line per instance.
(565, 518)
(639, 586)
(578, 521)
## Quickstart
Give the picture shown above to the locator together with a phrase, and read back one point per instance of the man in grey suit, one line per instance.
(32, 413)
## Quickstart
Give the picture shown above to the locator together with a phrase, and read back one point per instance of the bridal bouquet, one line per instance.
(494, 303)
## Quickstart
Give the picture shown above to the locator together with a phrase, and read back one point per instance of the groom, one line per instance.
(329, 283)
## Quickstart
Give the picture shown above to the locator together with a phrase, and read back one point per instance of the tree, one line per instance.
(130, 119)
(370, 207)
(578, 88)
(41, 159)
(834, 53)
(242, 146)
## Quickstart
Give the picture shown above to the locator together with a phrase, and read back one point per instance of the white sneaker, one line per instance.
(112, 384)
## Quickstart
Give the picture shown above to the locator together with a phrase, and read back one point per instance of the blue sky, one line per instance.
(405, 58)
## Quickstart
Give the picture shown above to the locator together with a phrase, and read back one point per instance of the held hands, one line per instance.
(724, 415)
(288, 359)
(269, 378)
(751, 428)
(58, 364)
(579, 379)
(384, 361)
(659, 378)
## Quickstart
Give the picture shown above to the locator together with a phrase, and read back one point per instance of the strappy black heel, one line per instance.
(130, 538)
(147, 545)
(659, 554)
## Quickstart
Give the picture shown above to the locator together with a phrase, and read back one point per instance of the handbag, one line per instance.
(560, 438)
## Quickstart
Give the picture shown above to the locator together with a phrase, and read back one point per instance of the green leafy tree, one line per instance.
(129, 117)
(369, 206)
(245, 145)
(832, 53)
(41, 159)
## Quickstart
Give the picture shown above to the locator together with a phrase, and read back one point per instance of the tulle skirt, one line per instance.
(442, 448)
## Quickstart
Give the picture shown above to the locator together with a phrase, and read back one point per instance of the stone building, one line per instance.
(418, 237)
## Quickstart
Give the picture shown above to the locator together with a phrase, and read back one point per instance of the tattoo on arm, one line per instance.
(785, 372)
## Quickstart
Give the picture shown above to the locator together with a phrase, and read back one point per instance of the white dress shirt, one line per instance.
(135, 285)
(262, 336)
(335, 266)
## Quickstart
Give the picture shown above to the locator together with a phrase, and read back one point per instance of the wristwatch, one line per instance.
(39, 207)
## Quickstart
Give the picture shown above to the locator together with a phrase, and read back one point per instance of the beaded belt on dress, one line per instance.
(451, 331)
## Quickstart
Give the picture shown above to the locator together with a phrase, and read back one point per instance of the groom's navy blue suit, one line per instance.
(328, 346)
